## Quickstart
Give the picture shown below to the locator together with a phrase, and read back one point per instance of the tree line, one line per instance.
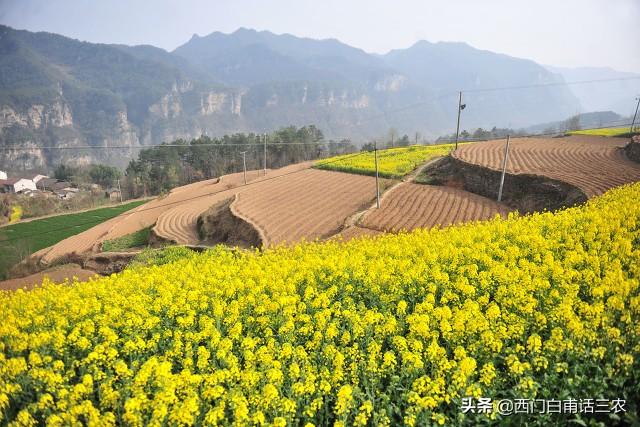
(160, 168)
(481, 134)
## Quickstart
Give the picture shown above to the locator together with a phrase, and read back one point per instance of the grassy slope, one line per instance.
(133, 240)
(38, 234)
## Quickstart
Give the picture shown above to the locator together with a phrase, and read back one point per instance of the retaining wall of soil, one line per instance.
(220, 225)
(526, 193)
(632, 149)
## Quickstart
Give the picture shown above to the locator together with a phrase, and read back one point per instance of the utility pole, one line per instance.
(265, 154)
(244, 165)
(375, 154)
(460, 108)
(416, 138)
(392, 140)
(635, 115)
(119, 190)
(504, 169)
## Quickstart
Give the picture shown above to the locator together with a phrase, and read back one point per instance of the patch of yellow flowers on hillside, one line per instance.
(387, 331)
(392, 162)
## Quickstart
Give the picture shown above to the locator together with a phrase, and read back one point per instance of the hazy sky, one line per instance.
(554, 32)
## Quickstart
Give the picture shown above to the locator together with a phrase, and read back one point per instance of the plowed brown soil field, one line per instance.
(312, 204)
(56, 275)
(179, 223)
(592, 163)
(410, 206)
(144, 215)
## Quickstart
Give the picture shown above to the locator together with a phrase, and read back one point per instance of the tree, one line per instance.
(64, 172)
(105, 176)
(393, 137)
(368, 146)
(404, 141)
(573, 123)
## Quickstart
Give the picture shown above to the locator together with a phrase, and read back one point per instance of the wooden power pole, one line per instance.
(504, 169)
(265, 154)
(375, 155)
(244, 165)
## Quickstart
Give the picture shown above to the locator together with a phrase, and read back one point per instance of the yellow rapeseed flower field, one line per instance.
(387, 331)
(612, 131)
(392, 162)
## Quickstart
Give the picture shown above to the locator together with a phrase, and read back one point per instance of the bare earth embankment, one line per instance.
(593, 164)
(308, 204)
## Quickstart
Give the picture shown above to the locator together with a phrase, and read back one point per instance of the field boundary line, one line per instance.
(356, 220)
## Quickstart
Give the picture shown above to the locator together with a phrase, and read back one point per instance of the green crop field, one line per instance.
(133, 240)
(613, 131)
(20, 240)
(392, 163)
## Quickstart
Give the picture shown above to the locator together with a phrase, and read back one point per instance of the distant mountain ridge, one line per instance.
(56, 91)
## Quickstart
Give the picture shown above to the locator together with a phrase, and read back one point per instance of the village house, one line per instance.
(67, 193)
(113, 194)
(36, 178)
(3, 175)
(17, 185)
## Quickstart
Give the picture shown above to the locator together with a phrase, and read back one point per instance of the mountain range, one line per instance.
(58, 94)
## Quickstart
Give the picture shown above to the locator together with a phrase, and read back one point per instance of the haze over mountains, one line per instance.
(60, 92)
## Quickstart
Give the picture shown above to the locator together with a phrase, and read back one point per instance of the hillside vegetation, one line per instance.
(387, 331)
(57, 91)
(392, 162)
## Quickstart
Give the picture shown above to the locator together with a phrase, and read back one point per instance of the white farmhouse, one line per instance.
(16, 185)
(36, 178)
(3, 175)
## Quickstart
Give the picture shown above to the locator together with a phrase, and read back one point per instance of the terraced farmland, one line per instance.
(594, 164)
(309, 205)
(179, 224)
(411, 206)
(139, 218)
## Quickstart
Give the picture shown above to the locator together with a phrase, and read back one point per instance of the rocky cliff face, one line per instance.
(38, 116)
(58, 95)
(45, 135)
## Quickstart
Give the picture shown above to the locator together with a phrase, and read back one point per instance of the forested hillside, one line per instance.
(60, 93)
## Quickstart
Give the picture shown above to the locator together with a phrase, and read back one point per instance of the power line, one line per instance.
(144, 147)
(131, 212)
(494, 89)
(579, 82)
(384, 114)
(325, 162)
